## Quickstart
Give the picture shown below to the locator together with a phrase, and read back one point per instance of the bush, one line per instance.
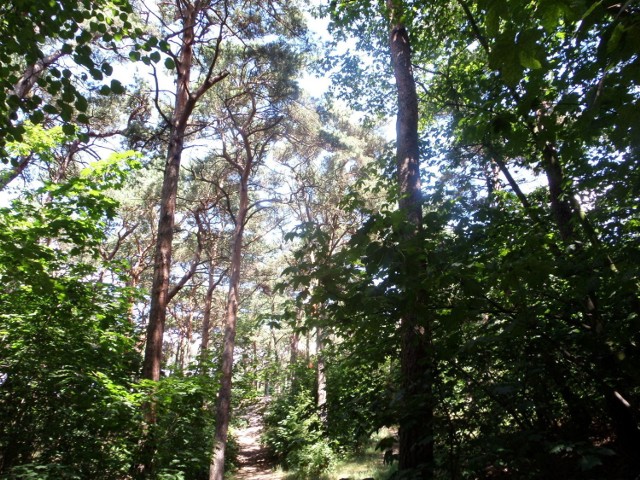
(295, 434)
(312, 460)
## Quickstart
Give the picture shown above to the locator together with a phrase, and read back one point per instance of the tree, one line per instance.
(311, 422)
(35, 83)
(67, 351)
(416, 425)
(195, 28)
(416, 428)
(254, 113)
(508, 95)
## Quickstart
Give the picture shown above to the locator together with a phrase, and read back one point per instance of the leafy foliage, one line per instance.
(294, 432)
(35, 35)
(68, 356)
(186, 420)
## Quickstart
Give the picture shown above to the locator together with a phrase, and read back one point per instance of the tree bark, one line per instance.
(223, 407)
(185, 102)
(183, 107)
(162, 264)
(416, 423)
(321, 377)
(206, 320)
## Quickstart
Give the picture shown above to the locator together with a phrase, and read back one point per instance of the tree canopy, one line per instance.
(188, 228)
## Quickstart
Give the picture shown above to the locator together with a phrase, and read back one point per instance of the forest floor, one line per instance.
(253, 457)
(254, 464)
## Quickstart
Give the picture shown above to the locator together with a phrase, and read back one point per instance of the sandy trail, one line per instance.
(253, 458)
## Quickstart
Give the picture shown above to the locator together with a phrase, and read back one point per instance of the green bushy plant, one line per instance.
(295, 433)
(312, 460)
(67, 353)
(186, 418)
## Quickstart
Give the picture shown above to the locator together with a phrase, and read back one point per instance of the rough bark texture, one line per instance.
(162, 263)
(223, 407)
(185, 101)
(416, 425)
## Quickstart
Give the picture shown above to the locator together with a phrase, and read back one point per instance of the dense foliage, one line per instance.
(65, 337)
(531, 292)
(285, 240)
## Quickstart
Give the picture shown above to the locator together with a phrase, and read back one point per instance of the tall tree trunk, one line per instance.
(321, 377)
(185, 102)
(416, 424)
(162, 265)
(162, 258)
(206, 320)
(223, 408)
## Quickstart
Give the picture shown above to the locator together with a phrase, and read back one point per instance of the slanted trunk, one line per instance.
(560, 203)
(162, 258)
(416, 424)
(185, 102)
(162, 265)
(223, 408)
(620, 406)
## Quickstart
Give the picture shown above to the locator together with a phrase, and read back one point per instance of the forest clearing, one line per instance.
(327, 240)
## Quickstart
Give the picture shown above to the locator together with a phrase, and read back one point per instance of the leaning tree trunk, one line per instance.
(162, 258)
(223, 407)
(416, 423)
(185, 101)
(162, 265)
(621, 407)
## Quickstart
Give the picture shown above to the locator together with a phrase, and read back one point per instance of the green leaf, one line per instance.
(117, 87)
(81, 104)
(106, 68)
(527, 60)
(36, 116)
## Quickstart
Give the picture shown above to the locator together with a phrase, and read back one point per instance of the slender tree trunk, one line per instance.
(223, 408)
(184, 104)
(560, 203)
(162, 258)
(293, 346)
(321, 377)
(162, 266)
(206, 320)
(416, 424)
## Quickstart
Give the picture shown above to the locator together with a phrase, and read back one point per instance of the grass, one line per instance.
(365, 464)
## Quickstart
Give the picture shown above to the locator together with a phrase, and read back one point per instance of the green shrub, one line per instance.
(294, 431)
(312, 460)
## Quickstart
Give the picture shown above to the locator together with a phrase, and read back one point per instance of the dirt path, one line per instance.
(253, 458)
